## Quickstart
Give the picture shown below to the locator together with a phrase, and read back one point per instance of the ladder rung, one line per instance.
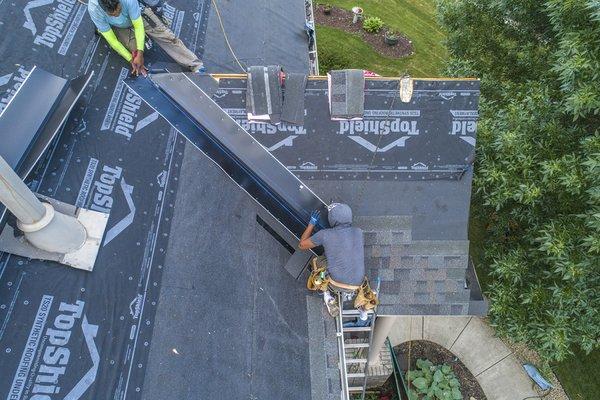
(356, 360)
(354, 313)
(357, 329)
(355, 389)
(356, 375)
(356, 345)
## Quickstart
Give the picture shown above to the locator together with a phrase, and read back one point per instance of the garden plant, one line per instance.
(432, 382)
(372, 24)
(391, 37)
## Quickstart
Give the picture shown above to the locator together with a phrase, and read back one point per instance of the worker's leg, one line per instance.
(170, 43)
(330, 298)
(126, 37)
(331, 303)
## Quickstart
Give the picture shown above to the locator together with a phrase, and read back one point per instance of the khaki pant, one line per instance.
(164, 37)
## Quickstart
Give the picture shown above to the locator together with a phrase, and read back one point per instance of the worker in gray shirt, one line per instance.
(344, 251)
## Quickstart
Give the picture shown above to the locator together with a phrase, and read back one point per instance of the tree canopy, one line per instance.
(537, 172)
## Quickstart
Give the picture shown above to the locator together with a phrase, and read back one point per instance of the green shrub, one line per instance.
(372, 24)
(537, 174)
(433, 382)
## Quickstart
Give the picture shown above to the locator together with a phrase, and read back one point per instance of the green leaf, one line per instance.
(424, 364)
(456, 395)
(412, 395)
(438, 376)
(428, 375)
(454, 383)
(420, 383)
(446, 369)
(410, 375)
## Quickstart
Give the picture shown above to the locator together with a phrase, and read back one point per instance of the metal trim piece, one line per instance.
(54, 124)
(367, 78)
(18, 90)
(47, 115)
(189, 110)
(26, 114)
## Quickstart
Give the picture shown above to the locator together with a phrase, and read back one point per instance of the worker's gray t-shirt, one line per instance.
(344, 249)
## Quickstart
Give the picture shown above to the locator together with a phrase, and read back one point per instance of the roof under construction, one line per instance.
(189, 297)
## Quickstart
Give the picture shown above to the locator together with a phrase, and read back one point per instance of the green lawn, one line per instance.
(414, 18)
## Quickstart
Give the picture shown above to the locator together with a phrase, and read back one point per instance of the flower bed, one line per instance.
(342, 19)
(438, 355)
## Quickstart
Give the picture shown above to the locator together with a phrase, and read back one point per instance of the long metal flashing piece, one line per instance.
(34, 117)
(208, 127)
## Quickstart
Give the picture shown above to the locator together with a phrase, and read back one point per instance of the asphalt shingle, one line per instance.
(417, 277)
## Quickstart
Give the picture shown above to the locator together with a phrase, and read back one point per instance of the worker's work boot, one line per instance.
(331, 303)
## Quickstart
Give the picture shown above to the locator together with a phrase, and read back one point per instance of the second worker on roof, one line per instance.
(124, 25)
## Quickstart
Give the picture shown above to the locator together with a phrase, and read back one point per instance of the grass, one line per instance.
(580, 375)
(413, 18)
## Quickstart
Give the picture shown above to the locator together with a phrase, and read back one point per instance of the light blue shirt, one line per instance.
(130, 10)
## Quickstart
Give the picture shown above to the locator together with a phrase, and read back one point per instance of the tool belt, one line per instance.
(320, 280)
(366, 297)
(345, 286)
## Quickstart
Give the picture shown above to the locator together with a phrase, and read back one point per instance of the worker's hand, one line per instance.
(314, 217)
(137, 63)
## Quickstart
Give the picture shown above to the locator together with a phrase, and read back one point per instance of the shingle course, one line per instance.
(417, 277)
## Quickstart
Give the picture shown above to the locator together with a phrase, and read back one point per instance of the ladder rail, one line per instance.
(343, 364)
(364, 385)
(342, 352)
(374, 318)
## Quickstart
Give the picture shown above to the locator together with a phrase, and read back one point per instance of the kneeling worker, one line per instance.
(344, 253)
(124, 25)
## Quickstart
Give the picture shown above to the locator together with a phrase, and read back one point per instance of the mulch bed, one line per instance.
(342, 19)
(438, 355)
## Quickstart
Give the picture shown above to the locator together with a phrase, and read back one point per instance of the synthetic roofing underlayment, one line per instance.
(188, 298)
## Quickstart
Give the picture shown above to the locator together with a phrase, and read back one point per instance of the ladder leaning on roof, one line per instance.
(354, 352)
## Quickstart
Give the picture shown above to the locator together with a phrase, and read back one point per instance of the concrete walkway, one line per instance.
(497, 370)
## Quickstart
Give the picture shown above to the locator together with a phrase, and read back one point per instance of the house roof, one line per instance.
(409, 186)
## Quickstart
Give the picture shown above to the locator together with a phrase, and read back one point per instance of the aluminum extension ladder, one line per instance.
(353, 349)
